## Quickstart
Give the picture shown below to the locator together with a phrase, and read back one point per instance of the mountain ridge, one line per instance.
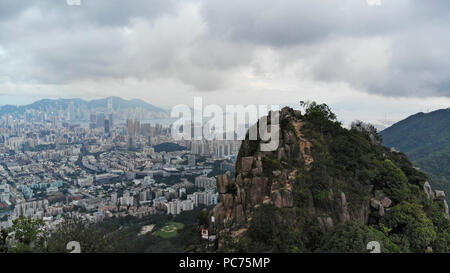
(425, 138)
(117, 102)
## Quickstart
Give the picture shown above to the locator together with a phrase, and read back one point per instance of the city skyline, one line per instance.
(362, 59)
(346, 116)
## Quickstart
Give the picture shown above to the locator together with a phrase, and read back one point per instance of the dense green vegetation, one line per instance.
(168, 147)
(114, 235)
(425, 138)
(353, 237)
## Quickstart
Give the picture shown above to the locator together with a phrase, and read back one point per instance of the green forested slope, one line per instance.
(425, 138)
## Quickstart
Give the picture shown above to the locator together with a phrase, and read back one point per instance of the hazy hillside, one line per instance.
(425, 138)
(118, 104)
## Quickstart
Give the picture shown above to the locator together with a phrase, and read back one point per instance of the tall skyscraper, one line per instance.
(110, 111)
(106, 126)
(130, 126)
(111, 122)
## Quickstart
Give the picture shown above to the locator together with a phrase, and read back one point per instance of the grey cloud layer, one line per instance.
(397, 49)
(99, 12)
(409, 55)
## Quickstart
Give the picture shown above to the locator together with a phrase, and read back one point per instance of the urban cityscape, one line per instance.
(96, 164)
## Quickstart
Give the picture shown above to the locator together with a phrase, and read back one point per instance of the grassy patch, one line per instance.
(169, 230)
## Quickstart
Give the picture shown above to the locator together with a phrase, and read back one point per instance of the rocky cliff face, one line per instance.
(316, 197)
(272, 183)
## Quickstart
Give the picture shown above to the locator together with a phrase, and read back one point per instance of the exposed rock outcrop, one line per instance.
(344, 215)
(428, 191)
(269, 178)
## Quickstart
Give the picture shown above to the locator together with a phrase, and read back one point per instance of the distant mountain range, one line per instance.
(425, 139)
(118, 104)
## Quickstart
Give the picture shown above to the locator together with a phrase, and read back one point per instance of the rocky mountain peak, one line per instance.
(310, 186)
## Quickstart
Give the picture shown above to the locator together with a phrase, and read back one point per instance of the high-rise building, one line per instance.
(133, 127)
(111, 121)
(130, 126)
(106, 125)
(137, 127)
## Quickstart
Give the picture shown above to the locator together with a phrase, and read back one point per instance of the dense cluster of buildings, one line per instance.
(51, 166)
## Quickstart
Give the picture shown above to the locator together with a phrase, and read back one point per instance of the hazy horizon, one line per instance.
(368, 60)
(380, 124)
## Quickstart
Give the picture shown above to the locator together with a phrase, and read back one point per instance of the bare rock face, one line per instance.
(254, 185)
(380, 205)
(375, 203)
(344, 216)
(247, 163)
(362, 215)
(226, 200)
(223, 182)
(288, 200)
(325, 223)
(428, 191)
(277, 199)
(228, 206)
(386, 202)
(276, 173)
(281, 155)
(289, 138)
(439, 194)
(258, 190)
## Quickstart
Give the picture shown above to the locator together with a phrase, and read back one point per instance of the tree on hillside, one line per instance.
(90, 237)
(28, 235)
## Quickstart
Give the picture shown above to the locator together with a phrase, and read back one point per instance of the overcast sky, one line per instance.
(380, 61)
